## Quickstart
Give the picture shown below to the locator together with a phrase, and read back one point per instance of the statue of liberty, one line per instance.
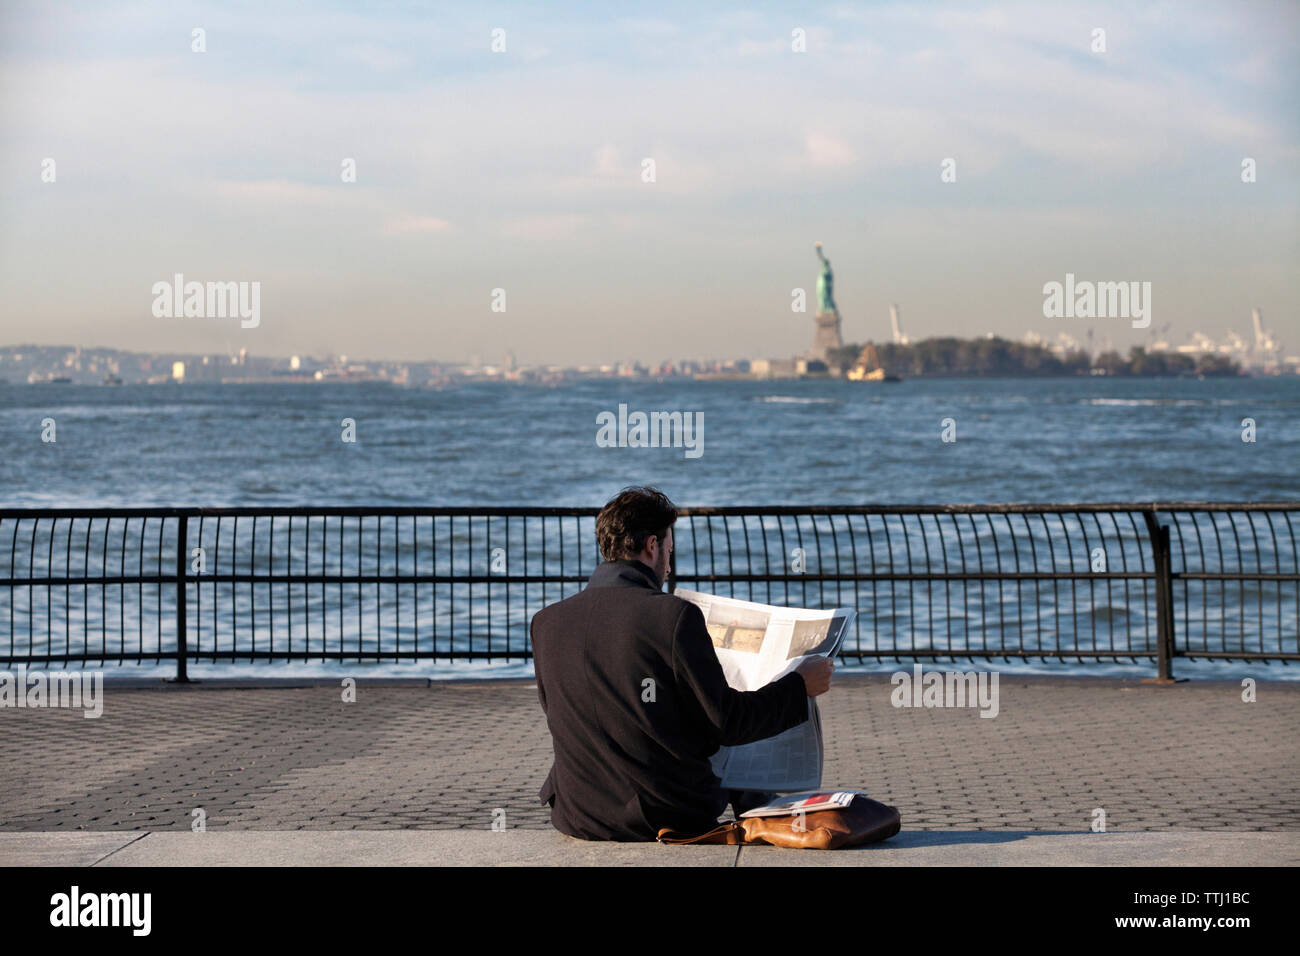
(826, 338)
(825, 283)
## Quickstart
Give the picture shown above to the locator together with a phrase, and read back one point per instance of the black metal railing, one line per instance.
(1132, 581)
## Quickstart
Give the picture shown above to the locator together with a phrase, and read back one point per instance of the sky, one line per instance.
(524, 170)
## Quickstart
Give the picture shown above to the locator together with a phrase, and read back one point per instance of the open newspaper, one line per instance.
(757, 644)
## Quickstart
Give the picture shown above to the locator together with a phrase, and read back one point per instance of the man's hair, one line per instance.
(630, 518)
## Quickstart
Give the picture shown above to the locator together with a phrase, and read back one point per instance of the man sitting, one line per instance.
(634, 696)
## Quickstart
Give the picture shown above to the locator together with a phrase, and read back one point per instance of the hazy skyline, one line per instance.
(522, 170)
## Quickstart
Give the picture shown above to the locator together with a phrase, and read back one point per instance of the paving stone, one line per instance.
(447, 755)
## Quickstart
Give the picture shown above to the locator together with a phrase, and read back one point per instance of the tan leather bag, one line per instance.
(863, 821)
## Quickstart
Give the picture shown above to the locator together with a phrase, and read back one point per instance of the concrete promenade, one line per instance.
(413, 772)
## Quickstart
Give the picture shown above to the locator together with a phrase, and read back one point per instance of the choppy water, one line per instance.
(761, 443)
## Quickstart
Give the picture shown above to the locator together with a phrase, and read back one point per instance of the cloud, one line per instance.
(607, 161)
(366, 203)
(278, 191)
(544, 228)
(381, 59)
(406, 225)
(647, 27)
(823, 150)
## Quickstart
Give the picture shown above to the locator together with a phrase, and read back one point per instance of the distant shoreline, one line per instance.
(933, 358)
(459, 381)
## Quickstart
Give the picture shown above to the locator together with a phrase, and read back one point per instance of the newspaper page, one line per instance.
(757, 644)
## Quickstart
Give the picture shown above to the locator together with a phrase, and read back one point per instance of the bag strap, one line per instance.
(731, 833)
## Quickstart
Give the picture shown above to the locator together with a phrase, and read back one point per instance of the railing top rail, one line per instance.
(1005, 508)
(545, 511)
(277, 511)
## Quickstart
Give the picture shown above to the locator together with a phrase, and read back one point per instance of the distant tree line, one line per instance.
(953, 357)
(1142, 362)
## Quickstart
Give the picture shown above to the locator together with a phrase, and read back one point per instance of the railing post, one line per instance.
(1162, 562)
(182, 644)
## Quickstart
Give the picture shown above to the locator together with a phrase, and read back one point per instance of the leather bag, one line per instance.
(862, 821)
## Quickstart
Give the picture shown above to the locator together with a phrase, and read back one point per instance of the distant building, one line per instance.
(773, 368)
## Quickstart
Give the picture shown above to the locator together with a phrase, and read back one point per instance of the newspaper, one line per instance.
(757, 644)
(804, 803)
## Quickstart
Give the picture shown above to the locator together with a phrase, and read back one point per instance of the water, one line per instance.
(763, 443)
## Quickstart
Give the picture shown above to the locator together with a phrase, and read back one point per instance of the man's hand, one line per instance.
(816, 674)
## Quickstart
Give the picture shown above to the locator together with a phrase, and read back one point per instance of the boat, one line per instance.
(869, 369)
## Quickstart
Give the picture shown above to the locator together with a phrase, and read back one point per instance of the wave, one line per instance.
(1144, 401)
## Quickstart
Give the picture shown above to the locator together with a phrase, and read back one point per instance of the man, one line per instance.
(633, 693)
